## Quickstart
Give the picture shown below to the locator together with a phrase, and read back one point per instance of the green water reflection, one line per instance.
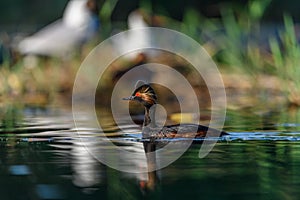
(235, 170)
(51, 163)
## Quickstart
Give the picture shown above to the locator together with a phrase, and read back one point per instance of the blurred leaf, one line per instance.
(191, 23)
(276, 52)
(230, 24)
(257, 8)
(107, 9)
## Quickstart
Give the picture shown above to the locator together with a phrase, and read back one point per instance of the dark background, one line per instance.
(19, 15)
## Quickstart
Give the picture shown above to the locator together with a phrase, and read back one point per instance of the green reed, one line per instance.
(286, 56)
(233, 40)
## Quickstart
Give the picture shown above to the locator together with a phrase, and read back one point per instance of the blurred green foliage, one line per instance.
(105, 14)
(233, 37)
(286, 56)
(234, 41)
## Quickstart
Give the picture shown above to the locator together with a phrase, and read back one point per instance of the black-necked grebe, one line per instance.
(145, 95)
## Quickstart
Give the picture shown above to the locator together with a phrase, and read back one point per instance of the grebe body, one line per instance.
(146, 95)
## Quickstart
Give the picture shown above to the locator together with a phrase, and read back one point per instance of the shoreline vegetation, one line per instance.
(257, 68)
(52, 81)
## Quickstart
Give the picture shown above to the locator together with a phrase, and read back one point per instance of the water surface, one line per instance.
(43, 156)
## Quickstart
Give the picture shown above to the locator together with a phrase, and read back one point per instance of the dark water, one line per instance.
(43, 157)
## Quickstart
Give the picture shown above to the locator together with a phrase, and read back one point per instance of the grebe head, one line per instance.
(143, 94)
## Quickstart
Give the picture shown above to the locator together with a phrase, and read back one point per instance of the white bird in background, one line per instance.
(64, 36)
(134, 39)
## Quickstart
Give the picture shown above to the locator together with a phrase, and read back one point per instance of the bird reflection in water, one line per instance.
(87, 151)
(150, 148)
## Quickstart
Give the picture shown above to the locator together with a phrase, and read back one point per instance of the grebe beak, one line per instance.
(129, 98)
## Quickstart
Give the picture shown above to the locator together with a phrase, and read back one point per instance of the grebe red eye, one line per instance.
(137, 94)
